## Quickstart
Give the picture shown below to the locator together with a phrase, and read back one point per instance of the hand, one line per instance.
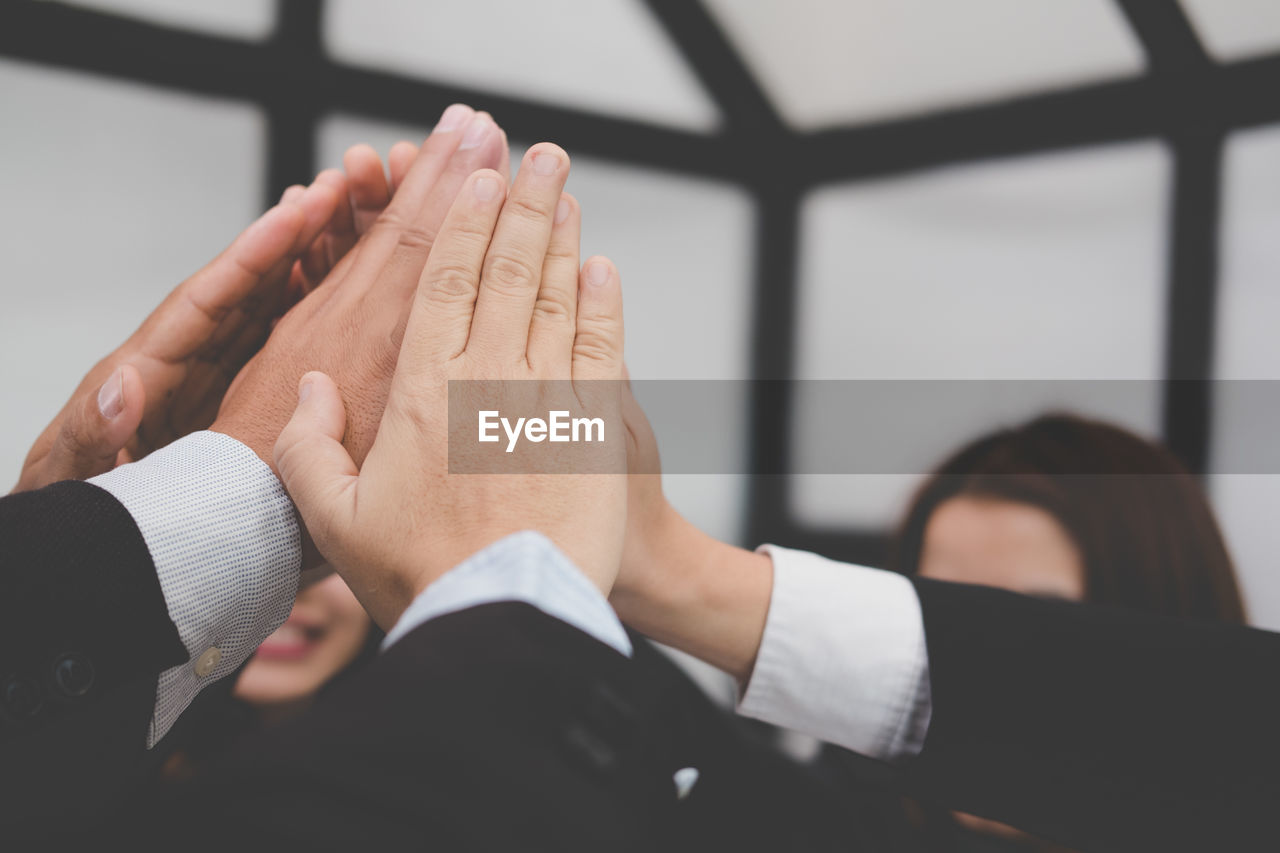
(501, 298)
(350, 326)
(678, 585)
(168, 378)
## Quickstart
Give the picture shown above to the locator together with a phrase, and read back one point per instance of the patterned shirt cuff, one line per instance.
(526, 567)
(843, 657)
(225, 542)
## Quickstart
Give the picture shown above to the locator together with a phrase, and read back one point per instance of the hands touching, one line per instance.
(501, 298)
(169, 377)
(351, 325)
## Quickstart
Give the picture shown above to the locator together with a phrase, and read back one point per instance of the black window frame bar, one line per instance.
(1184, 98)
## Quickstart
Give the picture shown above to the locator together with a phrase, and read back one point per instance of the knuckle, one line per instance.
(527, 208)
(452, 281)
(416, 237)
(555, 306)
(564, 254)
(510, 271)
(472, 234)
(409, 233)
(390, 219)
(595, 343)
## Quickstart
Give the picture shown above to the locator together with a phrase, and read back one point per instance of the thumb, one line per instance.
(98, 427)
(315, 468)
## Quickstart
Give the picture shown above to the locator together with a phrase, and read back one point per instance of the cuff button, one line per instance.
(74, 675)
(22, 699)
(206, 663)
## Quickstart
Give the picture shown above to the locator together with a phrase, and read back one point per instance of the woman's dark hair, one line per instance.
(1144, 529)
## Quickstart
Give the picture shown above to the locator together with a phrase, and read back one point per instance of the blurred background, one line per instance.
(864, 189)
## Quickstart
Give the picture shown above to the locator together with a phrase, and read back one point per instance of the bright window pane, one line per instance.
(828, 63)
(1040, 268)
(114, 193)
(248, 19)
(1249, 348)
(609, 56)
(1234, 29)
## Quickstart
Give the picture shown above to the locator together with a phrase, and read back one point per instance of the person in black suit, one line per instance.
(220, 549)
(1091, 726)
(85, 626)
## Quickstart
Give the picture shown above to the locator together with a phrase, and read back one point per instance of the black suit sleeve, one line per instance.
(1100, 728)
(493, 728)
(84, 631)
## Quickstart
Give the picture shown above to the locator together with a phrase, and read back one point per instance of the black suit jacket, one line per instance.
(496, 728)
(501, 728)
(1100, 728)
(83, 634)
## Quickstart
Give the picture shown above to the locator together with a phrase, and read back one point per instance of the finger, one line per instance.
(292, 194)
(368, 185)
(504, 158)
(479, 148)
(262, 251)
(98, 428)
(315, 468)
(441, 317)
(597, 345)
(399, 159)
(553, 327)
(340, 234)
(513, 268)
(318, 204)
(398, 275)
(432, 158)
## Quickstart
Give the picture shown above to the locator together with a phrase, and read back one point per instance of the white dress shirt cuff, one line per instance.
(525, 567)
(225, 542)
(843, 657)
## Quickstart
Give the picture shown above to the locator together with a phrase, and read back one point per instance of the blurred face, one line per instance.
(323, 634)
(1000, 543)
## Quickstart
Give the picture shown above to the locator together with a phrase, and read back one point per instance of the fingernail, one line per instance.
(111, 395)
(486, 188)
(477, 132)
(292, 194)
(545, 164)
(304, 391)
(452, 118)
(597, 273)
(562, 210)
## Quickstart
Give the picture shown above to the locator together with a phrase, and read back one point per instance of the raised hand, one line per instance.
(678, 585)
(350, 325)
(168, 378)
(501, 298)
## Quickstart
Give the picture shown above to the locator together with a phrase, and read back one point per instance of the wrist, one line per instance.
(259, 439)
(702, 596)
(252, 435)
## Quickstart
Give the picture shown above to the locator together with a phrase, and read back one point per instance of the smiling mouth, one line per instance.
(291, 641)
